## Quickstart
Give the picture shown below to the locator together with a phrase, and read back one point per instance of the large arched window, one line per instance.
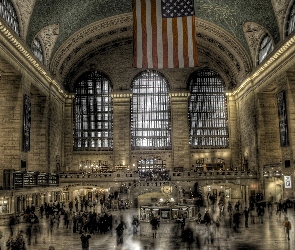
(207, 110)
(265, 48)
(150, 112)
(9, 15)
(291, 21)
(93, 112)
(37, 50)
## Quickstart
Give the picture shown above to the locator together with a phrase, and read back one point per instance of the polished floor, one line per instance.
(267, 236)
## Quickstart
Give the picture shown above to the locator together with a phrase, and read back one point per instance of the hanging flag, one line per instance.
(164, 34)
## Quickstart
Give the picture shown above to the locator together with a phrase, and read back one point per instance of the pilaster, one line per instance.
(180, 129)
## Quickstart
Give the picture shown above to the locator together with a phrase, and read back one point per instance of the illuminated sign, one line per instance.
(287, 180)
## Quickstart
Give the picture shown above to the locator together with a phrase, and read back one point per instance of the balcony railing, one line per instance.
(173, 176)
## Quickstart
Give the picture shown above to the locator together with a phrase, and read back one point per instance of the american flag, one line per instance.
(164, 34)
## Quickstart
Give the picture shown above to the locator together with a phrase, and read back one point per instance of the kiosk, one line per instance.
(165, 214)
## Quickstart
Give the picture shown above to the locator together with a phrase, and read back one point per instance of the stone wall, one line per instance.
(268, 130)
(11, 99)
(247, 117)
(37, 156)
(56, 130)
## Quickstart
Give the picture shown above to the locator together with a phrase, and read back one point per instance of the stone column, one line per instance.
(68, 138)
(180, 129)
(121, 111)
(233, 133)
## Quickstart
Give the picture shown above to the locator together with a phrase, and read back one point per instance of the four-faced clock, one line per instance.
(167, 189)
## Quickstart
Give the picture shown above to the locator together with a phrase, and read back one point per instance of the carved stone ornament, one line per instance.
(280, 8)
(47, 37)
(85, 34)
(25, 9)
(254, 33)
(222, 43)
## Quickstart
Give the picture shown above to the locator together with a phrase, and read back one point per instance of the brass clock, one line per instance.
(167, 189)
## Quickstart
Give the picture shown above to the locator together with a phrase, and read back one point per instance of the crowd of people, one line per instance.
(155, 174)
(220, 219)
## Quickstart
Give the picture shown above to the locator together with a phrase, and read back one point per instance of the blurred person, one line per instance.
(246, 215)
(85, 240)
(29, 233)
(288, 226)
(120, 231)
(188, 237)
(155, 224)
(260, 213)
(236, 221)
(135, 224)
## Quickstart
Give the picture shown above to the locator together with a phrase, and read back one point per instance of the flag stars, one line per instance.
(177, 8)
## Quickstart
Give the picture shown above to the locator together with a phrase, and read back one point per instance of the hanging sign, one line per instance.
(287, 180)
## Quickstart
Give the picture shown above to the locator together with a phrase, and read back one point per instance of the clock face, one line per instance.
(166, 189)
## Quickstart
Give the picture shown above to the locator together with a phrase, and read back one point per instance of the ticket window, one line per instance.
(183, 212)
(175, 213)
(155, 212)
(145, 214)
(4, 206)
(165, 214)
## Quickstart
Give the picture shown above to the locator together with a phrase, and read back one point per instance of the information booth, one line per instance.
(165, 214)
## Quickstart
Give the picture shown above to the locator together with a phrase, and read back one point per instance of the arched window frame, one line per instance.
(37, 49)
(266, 46)
(150, 112)
(93, 113)
(290, 24)
(8, 13)
(207, 111)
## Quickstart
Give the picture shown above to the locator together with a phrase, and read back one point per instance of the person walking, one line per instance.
(288, 227)
(246, 215)
(120, 230)
(260, 213)
(85, 240)
(155, 224)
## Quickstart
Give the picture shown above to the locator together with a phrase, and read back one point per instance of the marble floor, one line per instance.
(267, 236)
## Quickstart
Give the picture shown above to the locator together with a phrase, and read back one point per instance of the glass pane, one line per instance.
(93, 117)
(150, 112)
(291, 20)
(37, 50)
(266, 47)
(207, 110)
(9, 15)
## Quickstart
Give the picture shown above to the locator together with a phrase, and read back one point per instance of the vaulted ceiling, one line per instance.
(75, 31)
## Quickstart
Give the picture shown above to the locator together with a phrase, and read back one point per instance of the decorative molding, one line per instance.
(112, 31)
(86, 33)
(121, 95)
(254, 33)
(226, 39)
(279, 59)
(25, 10)
(179, 94)
(28, 57)
(216, 62)
(48, 37)
(280, 8)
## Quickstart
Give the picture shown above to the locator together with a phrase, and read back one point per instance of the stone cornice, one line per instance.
(121, 96)
(277, 60)
(29, 59)
(179, 95)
